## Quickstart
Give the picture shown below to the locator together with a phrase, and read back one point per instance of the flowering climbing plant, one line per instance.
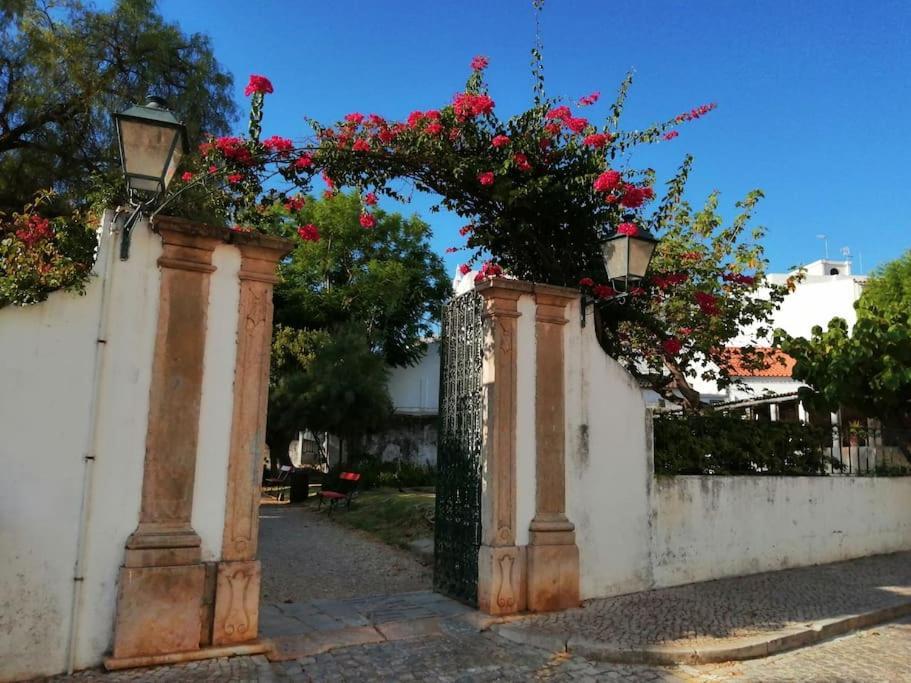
(540, 192)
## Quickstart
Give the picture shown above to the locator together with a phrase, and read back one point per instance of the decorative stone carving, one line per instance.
(236, 603)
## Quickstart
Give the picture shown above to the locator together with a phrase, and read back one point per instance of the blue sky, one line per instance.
(814, 97)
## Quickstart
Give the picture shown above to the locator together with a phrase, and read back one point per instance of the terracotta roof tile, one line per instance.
(780, 364)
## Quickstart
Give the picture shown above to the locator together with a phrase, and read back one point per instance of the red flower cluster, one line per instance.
(696, 112)
(279, 145)
(499, 141)
(597, 140)
(634, 197)
(241, 228)
(295, 203)
(464, 269)
(469, 105)
(479, 63)
(708, 303)
(434, 128)
(370, 199)
(416, 118)
(576, 125)
(361, 145)
(691, 256)
(670, 135)
(628, 229)
(589, 99)
(36, 230)
(303, 161)
(586, 282)
(561, 113)
(235, 178)
(465, 229)
(308, 233)
(672, 346)
(669, 280)
(233, 149)
(521, 161)
(367, 221)
(354, 117)
(607, 181)
(258, 84)
(488, 270)
(738, 278)
(604, 291)
(486, 178)
(186, 176)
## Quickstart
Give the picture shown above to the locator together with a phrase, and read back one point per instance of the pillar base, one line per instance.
(501, 579)
(553, 577)
(254, 648)
(158, 610)
(236, 603)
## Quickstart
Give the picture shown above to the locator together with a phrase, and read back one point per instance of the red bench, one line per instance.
(347, 485)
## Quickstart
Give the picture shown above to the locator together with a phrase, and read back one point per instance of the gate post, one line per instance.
(501, 564)
(553, 557)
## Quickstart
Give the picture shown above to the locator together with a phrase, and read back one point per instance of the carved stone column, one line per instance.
(161, 583)
(236, 612)
(501, 564)
(553, 557)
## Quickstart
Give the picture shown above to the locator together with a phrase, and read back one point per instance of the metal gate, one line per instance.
(457, 534)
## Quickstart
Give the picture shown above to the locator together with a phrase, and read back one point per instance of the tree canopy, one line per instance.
(66, 67)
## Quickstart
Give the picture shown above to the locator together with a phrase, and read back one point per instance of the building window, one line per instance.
(833, 271)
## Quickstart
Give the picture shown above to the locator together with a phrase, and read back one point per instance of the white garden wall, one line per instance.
(636, 531)
(47, 365)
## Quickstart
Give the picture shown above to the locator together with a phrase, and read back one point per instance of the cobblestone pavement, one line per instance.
(878, 654)
(305, 556)
(715, 612)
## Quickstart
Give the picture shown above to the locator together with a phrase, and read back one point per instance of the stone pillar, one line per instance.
(236, 611)
(501, 564)
(553, 557)
(162, 581)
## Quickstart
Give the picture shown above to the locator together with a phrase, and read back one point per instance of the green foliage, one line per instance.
(888, 290)
(727, 444)
(379, 473)
(388, 279)
(341, 391)
(66, 67)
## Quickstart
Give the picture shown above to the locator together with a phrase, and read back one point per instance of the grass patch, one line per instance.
(390, 515)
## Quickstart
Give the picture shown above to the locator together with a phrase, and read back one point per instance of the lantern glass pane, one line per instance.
(616, 258)
(640, 253)
(145, 153)
(175, 161)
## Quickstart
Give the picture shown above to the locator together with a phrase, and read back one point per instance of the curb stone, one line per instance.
(753, 647)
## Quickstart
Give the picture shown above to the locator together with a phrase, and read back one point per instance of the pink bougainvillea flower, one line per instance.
(213, 169)
(597, 140)
(376, 120)
(464, 269)
(486, 178)
(451, 250)
(354, 117)
(604, 291)
(37, 229)
(278, 144)
(303, 161)
(479, 63)
(470, 105)
(241, 228)
(696, 112)
(738, 278)
(488, 270)
(521, 161)
(361, 145)
(308, 233)
(562, 113)
(636, 291)
(330, 183)
(589, 99)
(553, 128)
(708, 303)
(670, 135)
(500, 141)
(328, 194)
(672, 346)
(434, 128)
(586, 282)
(576, 125)
(235, 178)
(186, 177)
(295, 203)
(628, 229)
(607, 181)
(258, 84)
(634, 197)
(370, 199)
(415, 118)
(367, 220)
(465, 229)
(206, 148)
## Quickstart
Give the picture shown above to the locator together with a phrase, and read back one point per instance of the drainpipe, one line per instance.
(106, 251)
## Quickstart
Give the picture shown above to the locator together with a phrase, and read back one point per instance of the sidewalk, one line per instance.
(728, 619)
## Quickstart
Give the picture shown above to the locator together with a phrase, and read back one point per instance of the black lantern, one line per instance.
(152, 144)
(627, 254)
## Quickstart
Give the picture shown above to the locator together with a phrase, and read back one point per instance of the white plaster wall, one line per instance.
(608, 472)
(710, 527)
(526, 348)
(217, 402)
(415, 390)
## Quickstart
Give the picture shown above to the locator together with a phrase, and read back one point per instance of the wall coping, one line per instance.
(241, 239)
(524, 286)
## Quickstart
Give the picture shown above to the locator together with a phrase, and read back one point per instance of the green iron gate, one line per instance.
(457, 534)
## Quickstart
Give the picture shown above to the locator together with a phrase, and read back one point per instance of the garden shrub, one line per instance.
(379, 473)
(729, 444)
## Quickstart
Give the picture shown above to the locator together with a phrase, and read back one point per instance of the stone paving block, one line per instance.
(294, 647)
(416, 628)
